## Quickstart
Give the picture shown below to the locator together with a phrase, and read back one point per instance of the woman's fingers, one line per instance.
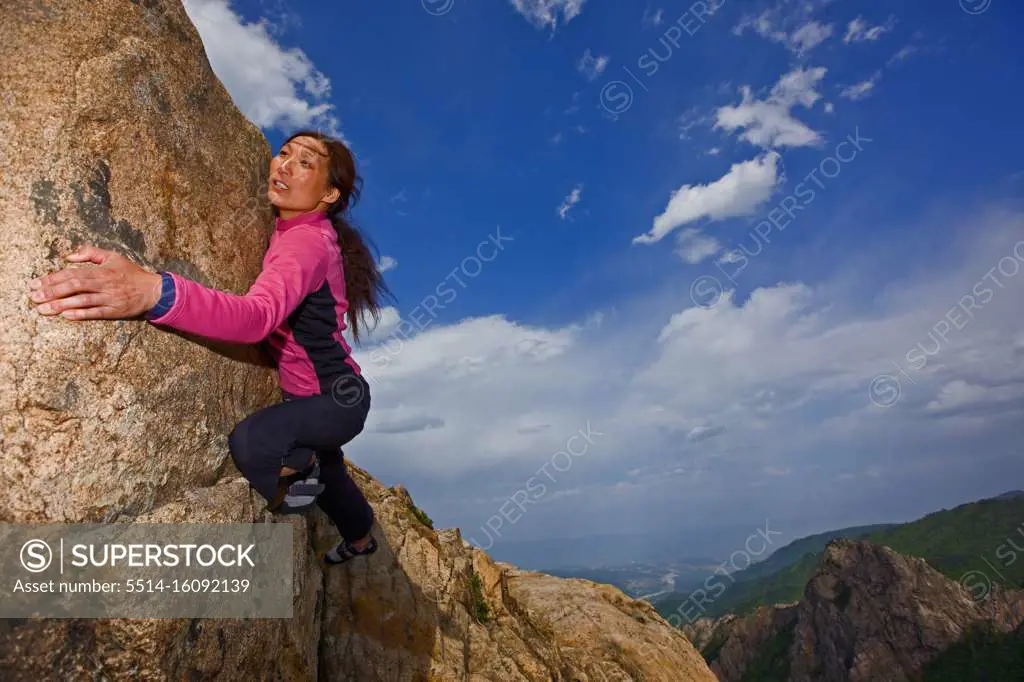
(68, 282)
(103, 312)
(117, 289)
(73, 302)
(90, 254)
(85, 254)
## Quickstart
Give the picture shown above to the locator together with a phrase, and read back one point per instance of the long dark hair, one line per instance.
(364, 284)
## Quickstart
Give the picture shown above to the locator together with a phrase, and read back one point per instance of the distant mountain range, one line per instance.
(552, 555)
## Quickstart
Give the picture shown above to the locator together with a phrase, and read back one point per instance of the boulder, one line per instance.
(114, 131)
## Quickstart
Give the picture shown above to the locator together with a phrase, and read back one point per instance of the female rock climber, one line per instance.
(316, 270)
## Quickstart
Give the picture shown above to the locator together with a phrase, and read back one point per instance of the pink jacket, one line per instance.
(296, 308)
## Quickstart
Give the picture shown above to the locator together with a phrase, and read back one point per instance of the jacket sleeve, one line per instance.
(296, 265)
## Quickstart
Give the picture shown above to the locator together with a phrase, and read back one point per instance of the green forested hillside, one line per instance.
(986, 536)
(983, 541)
(981, 656)
(796, 550)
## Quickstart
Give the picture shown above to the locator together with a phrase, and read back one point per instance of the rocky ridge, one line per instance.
(868, 614)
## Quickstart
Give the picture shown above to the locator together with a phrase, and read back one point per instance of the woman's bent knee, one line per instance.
(238, 444)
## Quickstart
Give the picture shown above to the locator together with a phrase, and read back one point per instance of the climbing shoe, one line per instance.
(343, 551)
(297, 492)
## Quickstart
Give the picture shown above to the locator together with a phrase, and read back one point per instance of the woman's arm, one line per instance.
(295, 266)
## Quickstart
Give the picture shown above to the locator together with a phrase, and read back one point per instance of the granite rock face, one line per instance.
(114, 131)
(411, 613)
(868, 614)
(742, 640)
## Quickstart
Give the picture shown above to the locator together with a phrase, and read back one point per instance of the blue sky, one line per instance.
(693, 261)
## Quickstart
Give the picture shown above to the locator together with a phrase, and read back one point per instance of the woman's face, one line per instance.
(299, 178)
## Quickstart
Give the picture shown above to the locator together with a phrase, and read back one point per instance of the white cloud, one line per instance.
(859, 31)
(704, 432)
(740, 192)
(782, 374)
(861, 90)
(387, 263)
(653, 18)
(687, 121)
(574, 198)
(790, 24)
(591, 66)
(903, 55)
(404, 420)
(770, 122)
(274, 86)
(389, 319)
(693, 247)
(532, 424)
(959, 394)
(809, 36)
(545, 13)
(830, 108)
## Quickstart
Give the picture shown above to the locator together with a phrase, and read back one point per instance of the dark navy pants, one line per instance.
(290, 432)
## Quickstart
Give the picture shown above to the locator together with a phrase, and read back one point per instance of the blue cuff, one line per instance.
(166, 297)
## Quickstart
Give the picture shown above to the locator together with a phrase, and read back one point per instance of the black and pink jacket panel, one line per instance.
(296, 307)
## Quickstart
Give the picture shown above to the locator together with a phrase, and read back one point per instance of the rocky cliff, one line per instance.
(114, 131)
(868, 614)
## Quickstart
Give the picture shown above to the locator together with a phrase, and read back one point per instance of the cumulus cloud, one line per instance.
(549, 13)
(274, 86)
(955, 394)
(788, 344)
(960, 395)
(859, 31)
(574, 198)
(779, 376)
(590, 66)
(372, 333)
(770, 122)
(740, 192)
(387, 263)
